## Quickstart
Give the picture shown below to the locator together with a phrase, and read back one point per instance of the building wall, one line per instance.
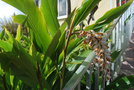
(104, 6)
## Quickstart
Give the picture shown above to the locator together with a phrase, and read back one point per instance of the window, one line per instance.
(121, 2)
(62, 9)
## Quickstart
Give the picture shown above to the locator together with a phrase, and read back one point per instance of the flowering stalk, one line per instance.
(98, 42)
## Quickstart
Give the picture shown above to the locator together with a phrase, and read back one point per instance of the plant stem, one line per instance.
(39, 76)
(4, 82)
(64, 58)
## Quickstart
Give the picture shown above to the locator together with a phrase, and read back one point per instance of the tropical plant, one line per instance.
(48, 56)
(9, 24)
(122, 82)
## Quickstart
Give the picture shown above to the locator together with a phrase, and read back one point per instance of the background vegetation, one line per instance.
(46, 55)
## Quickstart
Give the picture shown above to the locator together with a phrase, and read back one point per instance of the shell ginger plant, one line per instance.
(43, 64)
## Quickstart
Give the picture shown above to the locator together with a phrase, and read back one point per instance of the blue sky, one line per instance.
(7, 10)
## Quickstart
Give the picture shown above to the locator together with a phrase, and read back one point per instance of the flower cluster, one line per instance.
(98, 43)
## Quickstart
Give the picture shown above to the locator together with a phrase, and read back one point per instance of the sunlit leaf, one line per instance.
(49, 10)
(108, 17)
(20, 63)
(18, 35)
(19, 19)
(2, 34)
(82, 12)
(36, 21)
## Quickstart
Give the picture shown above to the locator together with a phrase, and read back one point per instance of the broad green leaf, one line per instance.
(20, 19)
(108, 27)
(76, 77)
(61, 44)
(52, 78)
(15, 82)
(73, 44)
(8, 79)
(1, 83)
(82, 12)
(2, 34)
(49, 10)
(32, 50)
(6, 46)
(63, 29)
(76, 59)
(121, 83)
(36, 21)
(115, 54)
(51, 52)
(115, 12)
(10, 37)
(18, 35)
(109, 17)
(20, 63)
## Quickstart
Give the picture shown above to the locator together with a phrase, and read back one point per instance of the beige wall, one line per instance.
(75, 3)
(104, 6)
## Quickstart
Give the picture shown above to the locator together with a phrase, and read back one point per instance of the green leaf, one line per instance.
(49, 10)
(1, 83)
(6, 46)
(15, 82)
(2, 34)
(52, 50)
(52, 47)
(62, 38)
(36, 21)
(108, 27)
(21, 64)
(18, 35)
(76, 59)
(10, 37)
(109, 17)
(76, 77)
(20, 19)
(73, 44)
(82, 12)
(121, 83)
(115, 54)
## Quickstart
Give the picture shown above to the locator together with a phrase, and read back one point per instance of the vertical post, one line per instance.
(111, 4)
(122, 31)
(120, 2)
(88, 78)
(113, 36)
(117, 36)
(120, 34)
(78, 87)
(97, 78)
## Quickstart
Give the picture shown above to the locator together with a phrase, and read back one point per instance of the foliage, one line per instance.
(109, 17)
(121, 83)
(115, 55)
(45, 57)
(9, 24)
